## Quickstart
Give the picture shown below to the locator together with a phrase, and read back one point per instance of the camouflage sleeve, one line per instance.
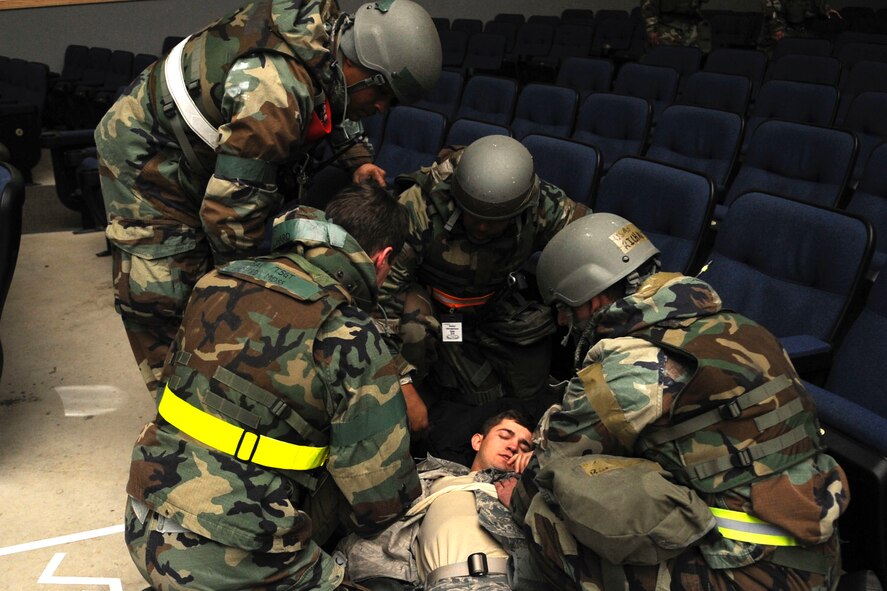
(360, 153)
(650, 14)
(369, 441)
(617, 393)
(405, 268)
(555, 211)
(263, 104)
(774, 17)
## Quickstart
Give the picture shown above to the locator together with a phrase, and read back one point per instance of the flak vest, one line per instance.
(437, 272)
(209, 57)
(224, 391)
(731, 424)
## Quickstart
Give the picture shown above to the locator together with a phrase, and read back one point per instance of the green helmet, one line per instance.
(588, 256)
(494, 179)
(398, 39)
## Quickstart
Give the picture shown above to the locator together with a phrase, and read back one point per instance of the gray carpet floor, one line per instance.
(43, 211)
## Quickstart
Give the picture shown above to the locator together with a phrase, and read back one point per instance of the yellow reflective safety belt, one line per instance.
(235, 441)
(737, 525)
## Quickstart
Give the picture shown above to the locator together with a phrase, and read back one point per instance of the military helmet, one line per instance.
(398, 39)
(588, 256)
(494, 179)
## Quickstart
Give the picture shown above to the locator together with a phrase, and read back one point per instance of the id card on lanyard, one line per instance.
(451, 328)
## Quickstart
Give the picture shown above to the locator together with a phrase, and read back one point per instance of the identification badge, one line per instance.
(451, 328)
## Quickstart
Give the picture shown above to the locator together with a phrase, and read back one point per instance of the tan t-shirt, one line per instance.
(450, 531)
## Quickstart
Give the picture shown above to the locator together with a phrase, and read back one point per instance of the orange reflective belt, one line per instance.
(455, 303)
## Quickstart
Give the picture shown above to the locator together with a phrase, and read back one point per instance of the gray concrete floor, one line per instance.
(71, 404)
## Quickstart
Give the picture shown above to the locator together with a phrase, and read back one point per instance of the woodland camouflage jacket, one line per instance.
(636, 378)
(279, 346)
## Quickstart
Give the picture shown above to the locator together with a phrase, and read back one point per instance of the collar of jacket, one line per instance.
(660, 298)
(351, 268)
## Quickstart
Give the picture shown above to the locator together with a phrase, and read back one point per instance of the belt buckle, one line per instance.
(246, 447)
(742, 458)
(477, 565)
(731, 410)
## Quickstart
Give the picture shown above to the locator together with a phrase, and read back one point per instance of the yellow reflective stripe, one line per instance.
(235, 441)
(740, 526)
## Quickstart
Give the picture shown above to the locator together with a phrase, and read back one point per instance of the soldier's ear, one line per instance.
(382, 263)
(476, 440)
(383, 257)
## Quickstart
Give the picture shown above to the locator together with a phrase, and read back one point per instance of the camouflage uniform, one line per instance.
(505, 341)
(279, 345)
(260, 76)
(637, 378)
(676, 22)
(389, 555)
(789, 18)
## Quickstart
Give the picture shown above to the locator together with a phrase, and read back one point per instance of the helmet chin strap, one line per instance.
(579, 326)
(344, 22)
(566, 338)
(374, 80)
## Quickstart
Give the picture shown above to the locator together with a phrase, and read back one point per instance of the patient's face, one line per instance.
(496, 449)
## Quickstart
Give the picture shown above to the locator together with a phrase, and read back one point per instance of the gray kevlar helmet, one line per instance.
(494, 179)
(398, 39)
(588, 256)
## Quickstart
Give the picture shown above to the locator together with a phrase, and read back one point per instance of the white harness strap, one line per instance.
(484, 487)
(178, 90)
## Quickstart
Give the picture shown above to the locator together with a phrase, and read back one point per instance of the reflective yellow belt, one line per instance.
(235, 441)
(736, 525)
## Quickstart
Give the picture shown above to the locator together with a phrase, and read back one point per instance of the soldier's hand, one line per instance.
(520, 460)
(777, 35)
(369, 171)
(653, 38)
(417, 412)
(504, 489)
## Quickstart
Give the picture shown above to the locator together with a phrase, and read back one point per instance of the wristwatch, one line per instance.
(407, 379)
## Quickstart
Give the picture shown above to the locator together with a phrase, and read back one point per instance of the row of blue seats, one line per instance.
(554, 109)
(823, 168)
(88, 84)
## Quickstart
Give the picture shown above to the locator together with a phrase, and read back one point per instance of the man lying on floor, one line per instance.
(457, 535)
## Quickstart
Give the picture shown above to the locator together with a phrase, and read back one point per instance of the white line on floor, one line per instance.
(95, 533)
(48, 577)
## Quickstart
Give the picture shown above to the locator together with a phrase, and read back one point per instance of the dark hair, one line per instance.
(518, 416)
(372, 215)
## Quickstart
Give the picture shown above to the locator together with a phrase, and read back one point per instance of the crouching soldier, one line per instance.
(455, 301)
(281, 416)
(686, 453)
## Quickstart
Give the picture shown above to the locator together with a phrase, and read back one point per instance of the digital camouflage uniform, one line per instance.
(677, 22)
(261, 74)
(389, 555)
(789, 18)
(505, 346)
(279, 345)
(636, 378)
